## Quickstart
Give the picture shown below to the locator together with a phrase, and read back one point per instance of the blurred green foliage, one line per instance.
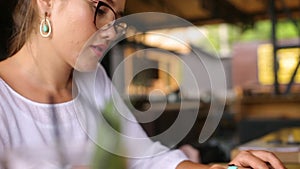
(260, 31)
(107, 159)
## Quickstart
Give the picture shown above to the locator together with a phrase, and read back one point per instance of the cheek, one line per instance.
(72, 32)
(78, 34)
(76, 44)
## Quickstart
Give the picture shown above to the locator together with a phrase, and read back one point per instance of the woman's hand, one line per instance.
(252, 159)
(257, 159)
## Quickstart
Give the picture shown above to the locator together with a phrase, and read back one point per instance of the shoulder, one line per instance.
(4, 74)
(101, 73)
(3, 68)
(8, 98)
(5, 112)
(94, 85)
(8, 72)
(102, 84)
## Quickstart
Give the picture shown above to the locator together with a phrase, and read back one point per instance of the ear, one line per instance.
(44, 6)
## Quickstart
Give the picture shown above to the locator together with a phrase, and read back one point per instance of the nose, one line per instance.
(107, 34)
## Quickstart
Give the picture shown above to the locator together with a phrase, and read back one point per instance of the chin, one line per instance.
(86, 66)
(87, 61)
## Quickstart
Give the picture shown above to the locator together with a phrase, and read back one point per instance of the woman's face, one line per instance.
(73, 24)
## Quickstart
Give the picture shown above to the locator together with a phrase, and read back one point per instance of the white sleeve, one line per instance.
(1, 151)
(143, 153)
(3, 138)
(168, 160)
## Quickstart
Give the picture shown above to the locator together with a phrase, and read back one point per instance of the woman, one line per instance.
(38, 78)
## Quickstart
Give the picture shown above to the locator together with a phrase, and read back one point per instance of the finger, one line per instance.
(269, 157)
(232, 166)
(247, 159)
(217, 166)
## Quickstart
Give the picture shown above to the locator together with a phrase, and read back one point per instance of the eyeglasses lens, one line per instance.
(104, 17)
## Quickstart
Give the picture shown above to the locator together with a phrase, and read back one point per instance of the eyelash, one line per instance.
(101, 12)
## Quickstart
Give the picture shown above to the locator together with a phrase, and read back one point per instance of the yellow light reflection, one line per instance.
(287, 59)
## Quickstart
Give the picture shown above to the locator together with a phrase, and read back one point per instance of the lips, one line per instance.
(98, 49)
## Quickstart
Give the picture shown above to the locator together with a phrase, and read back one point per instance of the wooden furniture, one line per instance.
(284, 143)
(269, 106)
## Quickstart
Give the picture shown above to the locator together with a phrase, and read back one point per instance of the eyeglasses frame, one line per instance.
(101, 3)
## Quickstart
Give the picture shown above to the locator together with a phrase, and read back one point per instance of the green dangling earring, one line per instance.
(45, 27)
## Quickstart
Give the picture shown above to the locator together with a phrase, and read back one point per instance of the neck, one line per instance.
(38, 73)
(45, 68)
(48, 68)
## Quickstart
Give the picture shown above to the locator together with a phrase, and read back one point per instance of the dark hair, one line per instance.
(25, 17)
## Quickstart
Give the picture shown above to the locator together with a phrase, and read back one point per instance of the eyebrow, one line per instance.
(111, 2)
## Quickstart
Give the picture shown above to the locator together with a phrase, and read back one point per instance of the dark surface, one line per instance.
(6, 8)
(201, 12)
(250, 129)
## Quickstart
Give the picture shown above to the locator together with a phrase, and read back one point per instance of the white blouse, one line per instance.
(30, 131)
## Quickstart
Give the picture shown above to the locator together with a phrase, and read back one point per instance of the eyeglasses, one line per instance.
(105, 17)
(104, 14)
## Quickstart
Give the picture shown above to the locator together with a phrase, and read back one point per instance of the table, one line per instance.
(285, 144)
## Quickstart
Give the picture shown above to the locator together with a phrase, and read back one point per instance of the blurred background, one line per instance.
(258, 44)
